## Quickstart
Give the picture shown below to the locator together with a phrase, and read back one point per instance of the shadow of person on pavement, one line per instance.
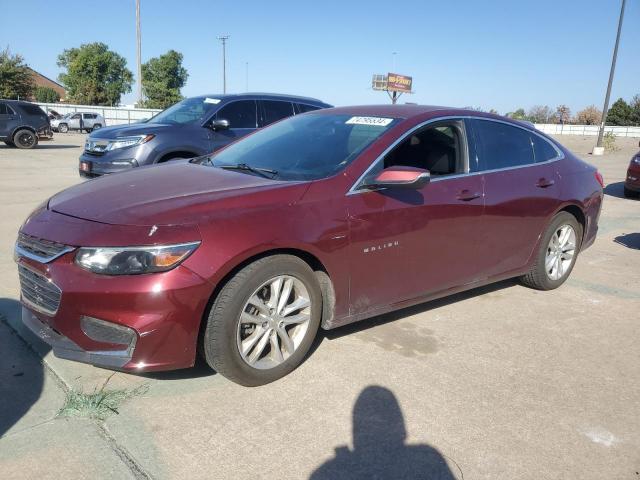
(379, 448)
(21, 372)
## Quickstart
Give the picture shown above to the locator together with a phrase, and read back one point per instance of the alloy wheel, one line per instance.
(274, 322)
(560, 252)
(26, 139)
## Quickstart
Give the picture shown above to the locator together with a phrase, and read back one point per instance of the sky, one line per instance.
(484, 53)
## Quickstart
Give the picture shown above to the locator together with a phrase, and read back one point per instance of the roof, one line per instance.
(262, 94)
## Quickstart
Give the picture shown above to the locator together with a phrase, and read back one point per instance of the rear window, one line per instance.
(543, 150)
(31, 109)
(303, 107)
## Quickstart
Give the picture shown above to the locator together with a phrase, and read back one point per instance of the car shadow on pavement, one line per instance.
(409, 311)
(629, 240)
(615, 190)
(41, 146)
(21, 371)
(379, 445)
(200, 369)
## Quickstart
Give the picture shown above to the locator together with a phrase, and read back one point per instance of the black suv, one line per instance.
(21, 123)
(193, 127)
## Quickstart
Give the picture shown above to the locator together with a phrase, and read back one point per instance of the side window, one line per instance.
(76, 116)
(3, 109)
(303, 108)
(502, 145)
(543, 150)
(276, 110)
(434, 148)
(241, 114)
(88, 116)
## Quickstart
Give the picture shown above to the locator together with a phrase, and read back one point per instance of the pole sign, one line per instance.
(399, 83)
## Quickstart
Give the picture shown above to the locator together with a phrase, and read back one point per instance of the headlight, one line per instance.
(128, 141)
(636, 160)
(133, 260)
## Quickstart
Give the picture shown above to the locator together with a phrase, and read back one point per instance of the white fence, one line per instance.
(586, 130)
(112, 115)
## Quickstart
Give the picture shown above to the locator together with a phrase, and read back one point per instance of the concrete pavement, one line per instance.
(499, 382)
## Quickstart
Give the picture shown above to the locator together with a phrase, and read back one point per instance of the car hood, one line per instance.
(129, 130)
(178, 193)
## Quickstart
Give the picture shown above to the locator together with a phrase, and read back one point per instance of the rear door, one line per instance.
(8, 120)
(409, 243)
(242, 116)
(521, 187)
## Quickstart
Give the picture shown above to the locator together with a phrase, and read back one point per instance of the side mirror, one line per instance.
(400, 177)
(221, 124)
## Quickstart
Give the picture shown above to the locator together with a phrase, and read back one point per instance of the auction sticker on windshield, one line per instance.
(378, 121)
(215, 101)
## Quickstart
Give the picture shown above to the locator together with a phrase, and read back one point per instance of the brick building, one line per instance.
(40, 80)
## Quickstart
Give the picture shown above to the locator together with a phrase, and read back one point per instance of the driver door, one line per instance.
(407, 243)
(242, 116)
(74, 121)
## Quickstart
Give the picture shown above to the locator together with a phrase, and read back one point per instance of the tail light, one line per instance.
(599, 178)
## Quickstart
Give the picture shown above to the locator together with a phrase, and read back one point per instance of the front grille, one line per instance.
(39, 291)
(39, 249)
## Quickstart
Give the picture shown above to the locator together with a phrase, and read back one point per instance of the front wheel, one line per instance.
(63, 128)
(557, 253)
(263, 321)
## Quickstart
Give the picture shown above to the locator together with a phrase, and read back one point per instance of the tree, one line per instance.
(162, 79)
(94, 74)
(539, 114)
(563, 114)
(635, 105)
(15, 76)
(46, 95)
(519, 114)
(589, 116)
(620, 113)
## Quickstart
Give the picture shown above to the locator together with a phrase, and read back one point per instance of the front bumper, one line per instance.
(160, 312)
(91, 166)
(64, 347)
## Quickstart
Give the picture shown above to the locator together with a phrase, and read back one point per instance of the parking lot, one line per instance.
(499, 382)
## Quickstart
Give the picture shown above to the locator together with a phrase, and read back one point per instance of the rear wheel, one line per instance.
(25, 139)
(263, 321)
(557, 253)
(63, 128)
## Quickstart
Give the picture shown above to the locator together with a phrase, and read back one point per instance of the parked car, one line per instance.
(193, 127)
(632, 182)
(87, 121)
(319, 220)
(22, 123)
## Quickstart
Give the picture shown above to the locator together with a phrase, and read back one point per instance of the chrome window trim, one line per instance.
(354, 188)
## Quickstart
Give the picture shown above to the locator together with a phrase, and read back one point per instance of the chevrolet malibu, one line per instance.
(317, 221)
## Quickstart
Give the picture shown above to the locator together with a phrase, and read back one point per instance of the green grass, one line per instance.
(99, 404)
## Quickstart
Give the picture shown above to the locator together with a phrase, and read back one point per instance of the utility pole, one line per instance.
(599, 149)
(223, 39)
(139, 48)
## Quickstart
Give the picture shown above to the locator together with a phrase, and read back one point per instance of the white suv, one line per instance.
(88, 121)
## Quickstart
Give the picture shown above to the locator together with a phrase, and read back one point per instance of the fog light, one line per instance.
(126, 163)
(108, 332)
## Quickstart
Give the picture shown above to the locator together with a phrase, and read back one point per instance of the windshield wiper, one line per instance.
(265, 172)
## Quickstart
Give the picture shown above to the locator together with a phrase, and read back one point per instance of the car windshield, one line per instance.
(304, 147)
(187, 111)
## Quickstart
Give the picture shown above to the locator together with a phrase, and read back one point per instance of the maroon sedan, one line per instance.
(632, 182)
(320, 220)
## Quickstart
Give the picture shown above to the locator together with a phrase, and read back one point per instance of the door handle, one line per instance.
(467, 196)
(544, 183)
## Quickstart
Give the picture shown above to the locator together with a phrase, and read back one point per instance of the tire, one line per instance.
(10, 144)
(96, 126)
(25, 139)
(630, 193)
(224, 333)
(539, 277)
(63, 128)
